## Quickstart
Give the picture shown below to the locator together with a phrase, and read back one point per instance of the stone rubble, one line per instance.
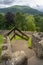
(37, 44)
(10, 58)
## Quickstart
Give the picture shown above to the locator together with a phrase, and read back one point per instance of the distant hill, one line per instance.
(17, 8)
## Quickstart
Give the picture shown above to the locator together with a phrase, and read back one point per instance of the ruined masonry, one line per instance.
(37, 44)
(10, 58)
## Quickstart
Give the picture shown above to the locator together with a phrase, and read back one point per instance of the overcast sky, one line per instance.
(32, 3)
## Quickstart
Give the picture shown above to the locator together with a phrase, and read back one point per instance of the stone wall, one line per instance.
(10, 58)
(26, 32)
(3, 31)
(37, 44)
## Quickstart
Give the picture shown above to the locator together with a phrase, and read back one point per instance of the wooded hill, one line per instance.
(23, 9)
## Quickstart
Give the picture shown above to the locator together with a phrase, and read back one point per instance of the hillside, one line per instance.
(24, 9)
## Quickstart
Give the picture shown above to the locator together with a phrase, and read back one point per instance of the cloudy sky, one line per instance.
(31, 3)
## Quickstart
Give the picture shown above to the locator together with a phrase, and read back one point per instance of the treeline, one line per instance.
(25, 22)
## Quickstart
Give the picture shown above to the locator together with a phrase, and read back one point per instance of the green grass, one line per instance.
(1, 39)
(0, 50)
(0, 53)
(15, 38)
(18, 38)
(29, 42)
(1, 42)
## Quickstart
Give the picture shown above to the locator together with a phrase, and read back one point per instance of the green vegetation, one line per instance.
(29, 42)
(0, 50)
(39, 22)
(24, 22)
(0, 53)
(1, 42)
(23, 9)
(33, 21)
(18, 38)
(1, 39)
(30, 22)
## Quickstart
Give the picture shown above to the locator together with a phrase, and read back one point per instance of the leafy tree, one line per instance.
(20, 21)
(9, 17)
(39, 22)
(1, 21)
(30, 23)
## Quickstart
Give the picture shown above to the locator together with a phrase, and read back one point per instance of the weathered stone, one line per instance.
(5, 55)
(37, 44)
(4, 47)
(19, 58)
(4, 40)
(41, 42)
(9, 58)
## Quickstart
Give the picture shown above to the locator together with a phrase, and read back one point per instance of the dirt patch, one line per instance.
(22, 45)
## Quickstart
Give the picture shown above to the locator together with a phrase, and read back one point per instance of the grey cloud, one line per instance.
(1, 2)
(8, 2)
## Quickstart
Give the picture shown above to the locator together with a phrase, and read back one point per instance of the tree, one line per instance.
(9, 20)
(30, 23)
(39, 22)
(2, 21)
(20, 21)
